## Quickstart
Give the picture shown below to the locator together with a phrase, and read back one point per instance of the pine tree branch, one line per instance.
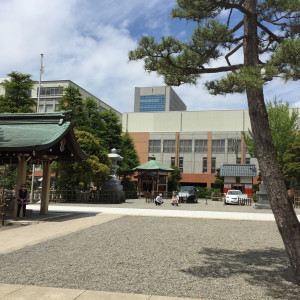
(231, 52)
(270, 33)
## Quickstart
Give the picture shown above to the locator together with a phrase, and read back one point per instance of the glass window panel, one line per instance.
(201, 146)
(185, 146)
(154, 146)
(213, 165)
(169, 146)
(181, 163)
(49, 108)
(152, 103)
(232, 144)
(172, 161)
(218, 146)
(204, 165)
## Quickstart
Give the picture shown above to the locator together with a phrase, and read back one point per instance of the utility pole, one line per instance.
(37, 111)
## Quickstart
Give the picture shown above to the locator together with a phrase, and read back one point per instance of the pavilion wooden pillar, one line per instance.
(21, 178)
(45, 187)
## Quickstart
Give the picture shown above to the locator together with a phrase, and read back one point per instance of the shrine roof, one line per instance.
(37, 134)
(153, 165)
(238, 170)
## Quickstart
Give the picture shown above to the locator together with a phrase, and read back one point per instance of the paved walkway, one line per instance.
(42, 231)
(223, 215)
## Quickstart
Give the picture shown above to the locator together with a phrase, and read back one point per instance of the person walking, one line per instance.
(22, 200)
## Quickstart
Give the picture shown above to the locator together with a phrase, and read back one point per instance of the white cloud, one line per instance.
(87, 41)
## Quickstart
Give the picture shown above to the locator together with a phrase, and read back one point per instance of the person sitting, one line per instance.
(159, 200)
(175, 199)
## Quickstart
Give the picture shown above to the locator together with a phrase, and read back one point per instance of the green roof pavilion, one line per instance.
(152, 177)
(38, 138)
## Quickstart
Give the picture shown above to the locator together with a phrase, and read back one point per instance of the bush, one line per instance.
(128, 184)
(202, 192)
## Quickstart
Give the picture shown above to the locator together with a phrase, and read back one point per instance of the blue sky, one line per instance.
(87, 41)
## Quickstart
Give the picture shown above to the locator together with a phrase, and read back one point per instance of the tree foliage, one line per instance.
(283, 126)
(184, 62)
(219, 182)
(105, 126)
(174, 180)
(95, 169)
(291, 167)
(72, 100)
(17, 97)
(97, 133)
(259, 41)
(129, 154)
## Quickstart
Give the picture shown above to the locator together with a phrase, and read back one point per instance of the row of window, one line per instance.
(200, 146)
(50, 91)
(204, 164)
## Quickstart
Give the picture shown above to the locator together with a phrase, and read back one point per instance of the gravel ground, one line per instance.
(183, 257)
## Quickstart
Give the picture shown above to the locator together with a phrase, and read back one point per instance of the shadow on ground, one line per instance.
(267, 268)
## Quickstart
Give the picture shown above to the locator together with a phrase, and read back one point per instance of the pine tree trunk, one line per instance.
(285, 216)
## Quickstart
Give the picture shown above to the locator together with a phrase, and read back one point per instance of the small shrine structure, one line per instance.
(238, 177)
(152, 177)
(37, 138)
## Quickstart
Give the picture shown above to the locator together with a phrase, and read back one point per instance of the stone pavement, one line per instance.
(43, 230)
(21, 292)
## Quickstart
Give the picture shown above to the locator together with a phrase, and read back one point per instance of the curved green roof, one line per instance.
(153, 165)
(39, 134)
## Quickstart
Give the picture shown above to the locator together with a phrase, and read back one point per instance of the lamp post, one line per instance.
(236, 150)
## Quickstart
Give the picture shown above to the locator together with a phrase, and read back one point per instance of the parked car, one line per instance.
(188, 193)
(232, 196)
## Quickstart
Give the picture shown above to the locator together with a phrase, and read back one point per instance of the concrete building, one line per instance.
(52, 91)
(198, 142)
(159, 98)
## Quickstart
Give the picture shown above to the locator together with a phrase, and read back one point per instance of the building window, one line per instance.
(247, 160)
(154, 146)
(49, 108)
(181, 163)
(213, 165)
(41, 108)
(169, 146)
(50, 91)
(218, 146)
(234, 144)
(201, 146)
(185, 146)
(204, 165)
(238, 160)
(172, 162)
(152, 103)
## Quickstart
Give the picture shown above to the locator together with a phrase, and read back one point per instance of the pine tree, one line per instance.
(17, 97)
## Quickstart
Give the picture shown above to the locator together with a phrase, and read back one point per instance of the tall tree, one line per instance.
(95, 169)
(17, 98)
(283, 126)
(291, 167)
(72, 100)
(267, 34)
(111, 130)
(129, 154)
